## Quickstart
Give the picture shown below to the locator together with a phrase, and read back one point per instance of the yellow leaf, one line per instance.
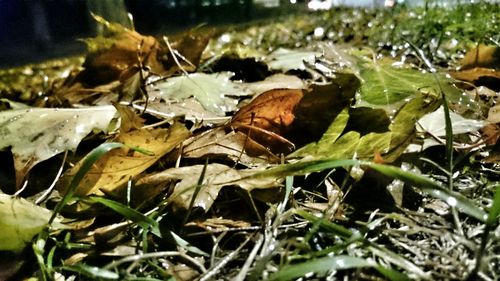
(143, 148)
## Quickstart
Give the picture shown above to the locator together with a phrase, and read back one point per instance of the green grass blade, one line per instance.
(434, 189)
(327, 225)
(92, 272)
(426, 184)
(392, 274)
(129, 213)
(320, 266)
(96, 154)
(495, 207)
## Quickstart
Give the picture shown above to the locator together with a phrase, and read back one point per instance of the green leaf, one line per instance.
(391, 144)
(20, 221)
(129, 213)
(387, 85)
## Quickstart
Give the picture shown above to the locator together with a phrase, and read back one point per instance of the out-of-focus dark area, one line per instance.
(34, 30)
(37, 30)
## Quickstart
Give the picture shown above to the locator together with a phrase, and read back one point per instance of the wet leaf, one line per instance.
(215, 92)
(20, 221)
(388, 85)
(143, 148)
(434, 123)
(352, 144)
(216, 176)
(268, 117)
(285, 59)
(37, 134)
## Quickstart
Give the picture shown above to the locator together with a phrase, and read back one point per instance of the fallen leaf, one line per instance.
(216, 176)
(143, 148)
(268, 117)
(189, 109)
(491, 134)
(388, 84)
(434, 123)
(128, 119)
(482, 56)
(337, 144)
(234, 146)
(37, 134)
(20, 221)
(121, 49)
(285, 59)
(276, 81)
(479, 76)
(494, 114)
(216, 92)
(320, 106)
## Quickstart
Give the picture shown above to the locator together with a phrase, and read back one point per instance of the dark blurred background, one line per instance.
(34, 30)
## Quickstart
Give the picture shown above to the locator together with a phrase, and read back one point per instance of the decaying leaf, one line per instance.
(268, 117)
(216, 176)
(20, 221)
(234, 146)
(124, 59)
(143, 148)
(36, 134)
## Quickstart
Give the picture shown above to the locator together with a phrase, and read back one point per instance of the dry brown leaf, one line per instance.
(482, 56)
(129, 119)
(235, 146)
(120, 165)
(124, 57)
(215, 176)
(479, 76)
(268, 117)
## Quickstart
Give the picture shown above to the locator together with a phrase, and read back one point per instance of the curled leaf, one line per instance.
(268, 117)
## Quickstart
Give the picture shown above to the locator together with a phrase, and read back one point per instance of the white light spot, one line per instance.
(451, 201)
(225, 38)
(319, 32)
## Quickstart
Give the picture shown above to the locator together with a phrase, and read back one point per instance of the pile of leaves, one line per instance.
(275, 152)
